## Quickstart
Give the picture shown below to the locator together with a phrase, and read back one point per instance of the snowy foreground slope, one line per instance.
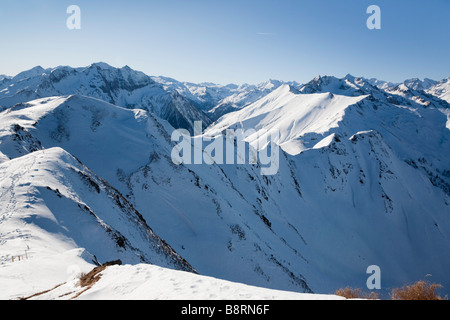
(149, 282)
(363, 179)
(52, 228)
(46, 219)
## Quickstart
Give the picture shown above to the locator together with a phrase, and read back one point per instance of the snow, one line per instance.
(325, 142)
(418, 84)
(50, 225)
(292, 115)
(148, 282)
(56, 243)
(363, 180)
(447, 113)
(218, 100)
(41, 271)
(123, 87)
(441, 89)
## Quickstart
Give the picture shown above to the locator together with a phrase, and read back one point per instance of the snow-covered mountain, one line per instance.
(123, 87)
(362, 159)
(196, 209)
(441, 89)
(4, 77)
(362, 181)
(58, 215)
(243, 98)
(381, 84)
(410, 93)
(291, 114)
(349, 85)
(218, 100)
(180, 103)
(418, 84)
(204, 95)
(402, 94)
(37, 201)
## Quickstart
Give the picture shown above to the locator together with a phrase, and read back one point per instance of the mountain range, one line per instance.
(86, 177)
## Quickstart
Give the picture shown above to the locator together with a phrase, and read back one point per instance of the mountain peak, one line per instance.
(417, 84)
(33, 72)
(349, 77)
(270, 84)
(101, 65)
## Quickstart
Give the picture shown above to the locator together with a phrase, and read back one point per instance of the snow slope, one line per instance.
(292, 115)
(363, 160)
(107, 137)
(218, 100)
(52, 206)
(441, 89)
(148, 282)
(242, 98)
(58, 218)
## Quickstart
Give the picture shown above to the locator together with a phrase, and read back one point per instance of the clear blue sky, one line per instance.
(224, 41)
